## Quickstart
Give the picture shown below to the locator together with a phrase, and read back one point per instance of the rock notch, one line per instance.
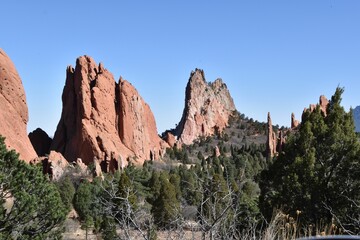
(104, 120)
(208, 107)
(13, 110)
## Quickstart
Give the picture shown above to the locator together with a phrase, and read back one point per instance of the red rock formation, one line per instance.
(271, 140)
(13, 110)
(294, 123)
(281, 141)
(54, 164)
(323, 103)
(103, 119)
(208, 107)
(40, 141)
(170, 139)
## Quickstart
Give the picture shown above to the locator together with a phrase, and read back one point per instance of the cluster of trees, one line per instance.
(315, 178)
(318, 172)
(217, 196)
(30, 205)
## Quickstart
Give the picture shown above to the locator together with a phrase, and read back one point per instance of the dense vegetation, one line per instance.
(30, 205)
(220, 187)
(318, 173)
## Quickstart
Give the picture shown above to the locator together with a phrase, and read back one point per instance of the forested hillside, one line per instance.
(221, 187)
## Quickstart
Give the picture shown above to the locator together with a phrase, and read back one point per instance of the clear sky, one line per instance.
(275, 56)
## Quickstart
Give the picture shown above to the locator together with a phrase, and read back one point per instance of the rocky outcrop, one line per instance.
(208, 107)
(105, 120)
(40, 141)
(274, 145)
(169, 139)
(323, 103)
(271, 140)
(294, 123)
(13, 110)
(54, 165)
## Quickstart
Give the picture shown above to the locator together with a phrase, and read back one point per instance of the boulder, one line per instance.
(54, 165)
(14, 110)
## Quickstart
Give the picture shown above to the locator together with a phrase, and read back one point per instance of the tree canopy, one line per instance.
(30, 205)
(318, 172)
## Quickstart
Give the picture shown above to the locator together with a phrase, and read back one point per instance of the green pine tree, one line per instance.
(37, 211)
(318, 172)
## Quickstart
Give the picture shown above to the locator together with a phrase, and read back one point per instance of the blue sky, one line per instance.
(275, 56)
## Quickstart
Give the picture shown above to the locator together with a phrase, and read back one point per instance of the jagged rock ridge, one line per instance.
(275, 144)
(208, 107)
(103, 120)
(13, 110)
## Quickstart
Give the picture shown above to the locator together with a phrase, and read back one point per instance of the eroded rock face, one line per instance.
(103, 119)
(40, 141)
(323, 103)
(271, 141)
(208, 107)
(13, 110)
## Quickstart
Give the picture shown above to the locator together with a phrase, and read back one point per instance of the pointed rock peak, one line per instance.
(207, 108)
(101, 68)
(218, 84)
(323, 103)
(323, 100)
(271, 141)
(70, 69)
(105, 120)
(294, 123)
(197, 75)
(269, 119)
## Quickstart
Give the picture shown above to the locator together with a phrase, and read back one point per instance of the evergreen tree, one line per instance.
(318, 172)
(166, 207)
(66, 190)
(37, 211)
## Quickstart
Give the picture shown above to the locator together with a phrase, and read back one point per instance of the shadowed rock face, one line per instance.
(104, 120)
(13, 110)
(40, 141)
(208, 107)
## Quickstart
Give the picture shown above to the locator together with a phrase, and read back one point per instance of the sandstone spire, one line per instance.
(294, 123)
(13, 110)
(104, 120)
(208, 107)
(271, 140)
